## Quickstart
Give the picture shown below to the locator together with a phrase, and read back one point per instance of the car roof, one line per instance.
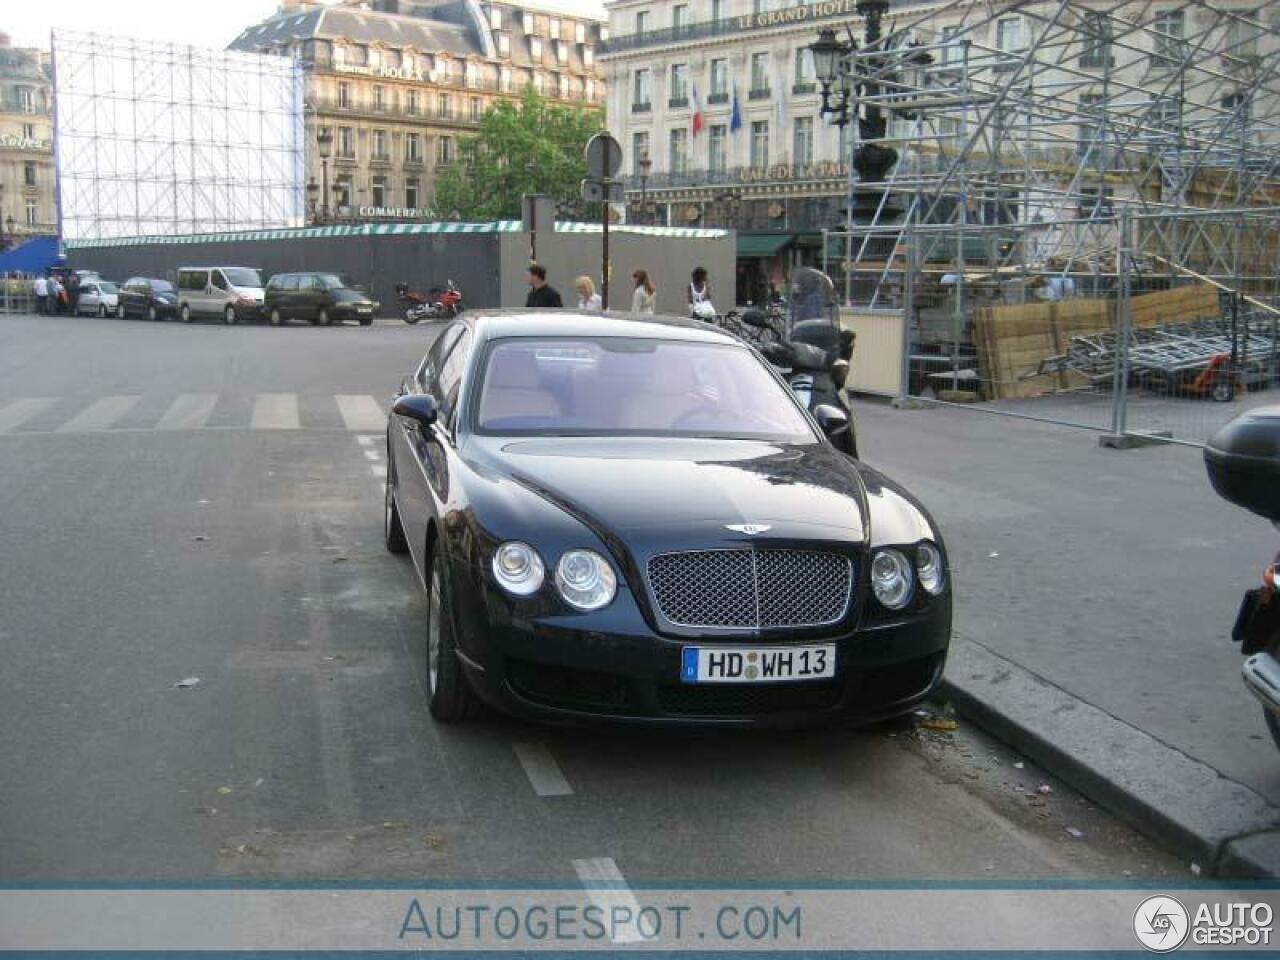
(496, 324)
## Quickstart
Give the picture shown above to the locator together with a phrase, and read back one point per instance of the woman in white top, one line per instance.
(700, 305)
(645, 295)
(588, 299)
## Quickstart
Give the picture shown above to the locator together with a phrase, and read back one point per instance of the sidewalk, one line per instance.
(1095, 592)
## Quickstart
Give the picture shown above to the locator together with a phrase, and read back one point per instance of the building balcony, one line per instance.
(421, 114)
(642, 107)
(759, 93)
(715, 98)
(801, 88)
(677, 103)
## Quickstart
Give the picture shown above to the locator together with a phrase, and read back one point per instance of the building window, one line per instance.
(344, 95)
(472, 73)
(580, 32)
(642, 22)
(759, 76)
(1166, 114)
(806, 75)
(31, 213)
(562, 51)
(719, 81)
(759, 143)
(344, 190)
(346, 142)
(1169, 26)
(504, 79)
(412, 148)
(679, 85)
(504, 44)
(379, 98)
(1088, 131)
(339, 54)
(588, 55)
(717, 153)
(1097, 43)
(679, 17)
(374, 59)
(642, 89)
(529, 22)
(952, 46)
(444, 150)
(678, 158)
(27, 99)
(554, 28)
(1008, 40)
(535, 49)
(717, 11)
(379, 191)
(411, 102)
(1240, 39)
(29, 174)
(408, 62)
(28, 131)
(380, 145)
(411, 193)
(495, 18)
(589, 89)
(639, 150)
(802, 151)
(477, 109)
(445, 106)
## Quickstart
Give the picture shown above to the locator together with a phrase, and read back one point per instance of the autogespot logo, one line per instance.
(1161, 924)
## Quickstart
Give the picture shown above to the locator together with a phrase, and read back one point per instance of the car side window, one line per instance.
(446, 340)
(450, 378)
(290, 282)
(219, 280)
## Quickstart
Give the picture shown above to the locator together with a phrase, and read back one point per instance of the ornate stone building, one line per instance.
(26, 145)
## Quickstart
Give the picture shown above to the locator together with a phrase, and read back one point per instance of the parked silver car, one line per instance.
(99, 297)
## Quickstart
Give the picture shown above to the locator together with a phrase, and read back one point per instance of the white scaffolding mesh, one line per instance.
(160, 139)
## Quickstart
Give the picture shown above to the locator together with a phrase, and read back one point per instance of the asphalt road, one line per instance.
(205, 502)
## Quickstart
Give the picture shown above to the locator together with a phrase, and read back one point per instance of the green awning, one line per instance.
(762, 244)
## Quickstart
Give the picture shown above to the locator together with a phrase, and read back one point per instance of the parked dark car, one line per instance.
(635, 519)
(319, 298)
(147, 297)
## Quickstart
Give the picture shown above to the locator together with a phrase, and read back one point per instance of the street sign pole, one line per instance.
(604, 258)
(604, 160)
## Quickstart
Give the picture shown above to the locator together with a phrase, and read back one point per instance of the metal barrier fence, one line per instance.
(17, 293)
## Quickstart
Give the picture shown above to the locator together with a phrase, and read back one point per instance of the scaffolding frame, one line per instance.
(1039, 122)
(156, 138)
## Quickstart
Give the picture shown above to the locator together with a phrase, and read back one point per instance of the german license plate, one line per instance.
(757, 664)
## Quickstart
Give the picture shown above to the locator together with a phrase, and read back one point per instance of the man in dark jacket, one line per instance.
(540, 294)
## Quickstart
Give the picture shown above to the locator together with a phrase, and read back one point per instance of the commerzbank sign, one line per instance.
(812, 11)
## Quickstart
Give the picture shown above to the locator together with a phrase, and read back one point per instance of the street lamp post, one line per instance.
(313, 191)
(324, 143)
(645, 165)
(338, 194)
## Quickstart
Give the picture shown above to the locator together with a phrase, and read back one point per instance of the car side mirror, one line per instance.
(832, 421)
(416, 406)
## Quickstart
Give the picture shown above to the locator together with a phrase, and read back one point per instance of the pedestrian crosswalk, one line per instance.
(23, 416)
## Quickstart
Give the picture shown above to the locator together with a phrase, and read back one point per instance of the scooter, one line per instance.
(1243, 461)
(440, 303)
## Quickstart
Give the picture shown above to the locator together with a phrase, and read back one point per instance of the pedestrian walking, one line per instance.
(54, 294)
(41, 290)
(700, 304)
(73, 293)
(588, 299)
(541, 294)
(646, 294)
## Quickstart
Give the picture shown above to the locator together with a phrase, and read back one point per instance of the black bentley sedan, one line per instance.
(635, 519)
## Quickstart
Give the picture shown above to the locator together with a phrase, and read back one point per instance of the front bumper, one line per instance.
(355, 311)
(546, 671)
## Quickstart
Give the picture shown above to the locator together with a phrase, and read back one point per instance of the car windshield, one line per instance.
(161, 286)
(622, 386)
(107, 287)
(242, 277)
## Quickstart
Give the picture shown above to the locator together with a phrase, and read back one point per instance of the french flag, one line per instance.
(697, 112)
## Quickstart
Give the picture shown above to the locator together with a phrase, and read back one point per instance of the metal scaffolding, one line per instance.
(161, 139)
(1036, 123)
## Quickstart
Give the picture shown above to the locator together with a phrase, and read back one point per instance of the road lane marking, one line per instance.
(379, 470)
(367, 439)
(275, 411)
(361, 412)
(190, 411)
(372, 455)
(18, 412)
(542, 770)
(99, 415)
(607, 889)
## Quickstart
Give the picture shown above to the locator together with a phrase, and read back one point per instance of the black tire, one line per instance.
(152, 313)
(324, 318)
(411, 318)
(1273, 725)
(277, 318)
(1224, 391)
(185, 313)
(449, 694)
(120, 311)
(229, 316)
(392, 528)
(366, 321)
(102, 310)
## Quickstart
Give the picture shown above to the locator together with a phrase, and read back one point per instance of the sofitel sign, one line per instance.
(814, 11)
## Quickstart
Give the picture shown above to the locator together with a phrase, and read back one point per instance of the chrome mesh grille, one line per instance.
(751, 589)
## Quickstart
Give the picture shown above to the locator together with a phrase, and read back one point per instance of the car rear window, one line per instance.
(622, 386)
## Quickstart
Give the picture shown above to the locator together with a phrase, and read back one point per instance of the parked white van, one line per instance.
(232, 293)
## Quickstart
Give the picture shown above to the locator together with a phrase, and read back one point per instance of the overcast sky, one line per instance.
(182, 21)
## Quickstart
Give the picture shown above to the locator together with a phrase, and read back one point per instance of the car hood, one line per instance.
(690, 490)
(250, 293)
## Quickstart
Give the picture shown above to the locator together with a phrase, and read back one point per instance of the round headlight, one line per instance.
(585, 580)
(518, 568)
(891, 578)
(929, 568)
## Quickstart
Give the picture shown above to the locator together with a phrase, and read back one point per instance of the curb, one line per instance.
(1175, 799)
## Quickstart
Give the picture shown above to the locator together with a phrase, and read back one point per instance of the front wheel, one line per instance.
(276, 319)
(120, 314)
(324, 318)
(102, 310)
(152, 313)
(392, 528)
(449, 694)
(411, 316)
(1224, 391)
(229, 316)
(185, 313)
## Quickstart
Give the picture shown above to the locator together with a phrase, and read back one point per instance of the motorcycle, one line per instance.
(812, 351)
(1243, 462)
(439, 303)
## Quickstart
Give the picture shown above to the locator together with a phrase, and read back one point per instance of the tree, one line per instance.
(524, 146)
